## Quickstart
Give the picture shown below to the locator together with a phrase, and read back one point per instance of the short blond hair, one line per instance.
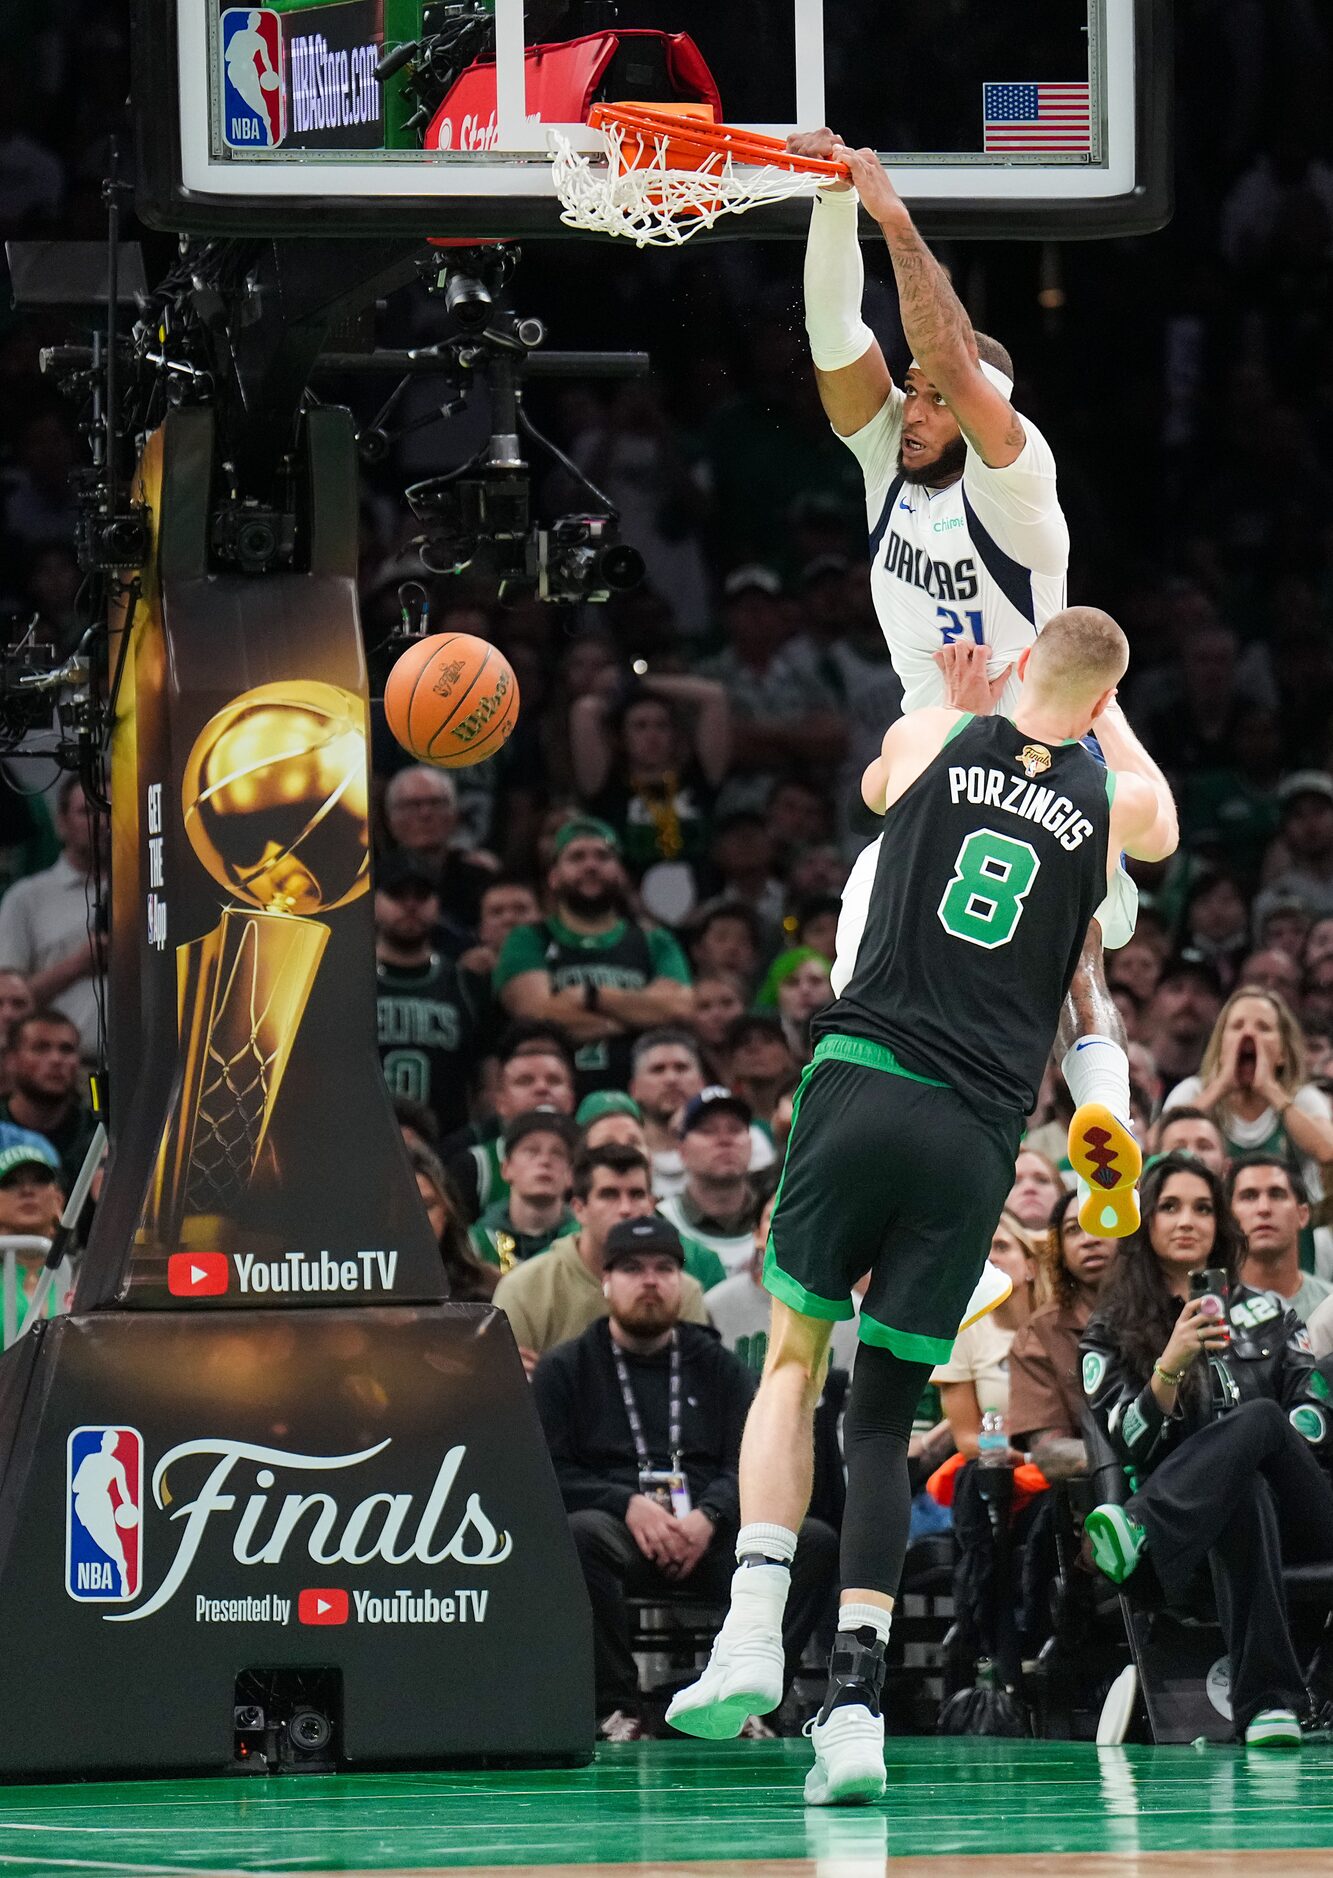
(1079, 654)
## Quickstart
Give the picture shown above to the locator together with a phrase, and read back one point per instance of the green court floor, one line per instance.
(667, 1803)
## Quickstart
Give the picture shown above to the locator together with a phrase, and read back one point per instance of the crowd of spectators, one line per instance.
(599, 953)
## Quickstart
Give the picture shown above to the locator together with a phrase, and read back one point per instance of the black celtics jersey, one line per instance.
(990, 870)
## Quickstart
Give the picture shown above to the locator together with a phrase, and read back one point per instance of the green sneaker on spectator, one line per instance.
(1117, 1541)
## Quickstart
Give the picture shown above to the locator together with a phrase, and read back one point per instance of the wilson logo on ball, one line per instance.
(483, 714)
(451, 699)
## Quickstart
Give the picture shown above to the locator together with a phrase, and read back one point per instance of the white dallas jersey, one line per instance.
(983, 560)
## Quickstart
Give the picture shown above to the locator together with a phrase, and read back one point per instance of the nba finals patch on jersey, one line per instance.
(254, 79)
(103, 1515)
(1035, 759)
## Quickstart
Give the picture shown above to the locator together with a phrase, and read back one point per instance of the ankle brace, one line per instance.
(855, 1673)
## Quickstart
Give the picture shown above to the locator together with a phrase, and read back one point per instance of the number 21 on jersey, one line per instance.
(992, 877)
(955, 625)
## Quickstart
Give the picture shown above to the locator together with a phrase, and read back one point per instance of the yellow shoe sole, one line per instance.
(1105, 1154)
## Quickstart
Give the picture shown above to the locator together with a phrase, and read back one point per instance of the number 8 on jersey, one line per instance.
(992, 877)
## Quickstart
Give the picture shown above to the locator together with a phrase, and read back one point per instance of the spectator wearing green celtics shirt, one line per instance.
(536, 1072)
(537, 1166)
(590, 966)
(426, 1026)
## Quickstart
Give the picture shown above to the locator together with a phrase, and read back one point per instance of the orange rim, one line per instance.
(695, 137)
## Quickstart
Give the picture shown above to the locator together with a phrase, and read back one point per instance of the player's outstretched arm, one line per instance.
(853, 379)
(935, 321)
(1143, 816)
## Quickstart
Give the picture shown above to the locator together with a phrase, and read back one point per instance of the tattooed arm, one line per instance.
(935, 321)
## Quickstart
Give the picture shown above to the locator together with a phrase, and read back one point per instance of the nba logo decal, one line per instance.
(254, 79)
(103, 1515)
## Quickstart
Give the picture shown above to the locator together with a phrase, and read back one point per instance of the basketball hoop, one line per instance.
(666, 171)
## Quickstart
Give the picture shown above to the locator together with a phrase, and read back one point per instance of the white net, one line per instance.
(652, 203)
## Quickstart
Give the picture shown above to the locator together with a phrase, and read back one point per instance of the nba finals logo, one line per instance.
(1035, 759)
(103, 1503)
(254, 79)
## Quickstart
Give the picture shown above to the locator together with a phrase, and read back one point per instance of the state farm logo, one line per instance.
(208, 1274)
(385, 1528)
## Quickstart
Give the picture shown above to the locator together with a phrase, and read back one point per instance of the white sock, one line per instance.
(872, 1616)
(776, 1544)
(1097, 1070)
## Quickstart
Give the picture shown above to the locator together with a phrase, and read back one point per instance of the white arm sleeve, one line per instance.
(835, 280)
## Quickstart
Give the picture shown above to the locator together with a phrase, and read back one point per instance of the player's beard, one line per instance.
(945, 468)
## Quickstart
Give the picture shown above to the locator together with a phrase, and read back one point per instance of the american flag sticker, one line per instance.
(1035, 117)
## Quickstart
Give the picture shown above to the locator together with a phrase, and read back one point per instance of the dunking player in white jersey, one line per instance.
(969, 550)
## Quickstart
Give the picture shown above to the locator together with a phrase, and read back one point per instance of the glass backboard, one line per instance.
(995, 117)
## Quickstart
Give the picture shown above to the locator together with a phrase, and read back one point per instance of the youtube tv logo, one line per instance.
(322, 1607)
(198, 1274)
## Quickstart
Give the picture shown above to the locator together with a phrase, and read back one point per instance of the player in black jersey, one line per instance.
(999, 838)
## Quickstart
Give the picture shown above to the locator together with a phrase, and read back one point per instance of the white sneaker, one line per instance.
(745, 1676)
(849, 1758)
(990, 1290)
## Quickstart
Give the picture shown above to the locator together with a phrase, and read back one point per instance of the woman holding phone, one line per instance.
(1208, 1393)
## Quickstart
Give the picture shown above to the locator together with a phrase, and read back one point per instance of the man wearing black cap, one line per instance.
(1303, 850)
(590, 967)
(425, 1024)
(555, 1297)
(716, 1205)
(1181, 1015)
(536, 1165)
(643, 1415)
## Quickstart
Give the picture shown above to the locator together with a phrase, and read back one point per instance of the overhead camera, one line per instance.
(468, 299)
(252, 539)
(582, 558)
(469, 513)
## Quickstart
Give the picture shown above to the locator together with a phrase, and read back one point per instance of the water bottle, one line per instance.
(993, 1440)
(995, 1482)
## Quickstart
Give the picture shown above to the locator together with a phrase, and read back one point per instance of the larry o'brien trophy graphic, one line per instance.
(268, 1501)
(276, 809)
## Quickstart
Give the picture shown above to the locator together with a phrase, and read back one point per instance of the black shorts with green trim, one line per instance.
(891, 1174)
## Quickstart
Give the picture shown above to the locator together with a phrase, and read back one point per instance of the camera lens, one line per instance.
(309, 1730)
(622, 567)
(249, 1718)
(256, 546)
(468, 300)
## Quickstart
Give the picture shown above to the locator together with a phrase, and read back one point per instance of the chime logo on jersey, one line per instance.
(254, 79)
(103, 1508)
(1035, 759)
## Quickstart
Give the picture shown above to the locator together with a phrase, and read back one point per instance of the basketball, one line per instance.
(127, 1516)
(451, 699)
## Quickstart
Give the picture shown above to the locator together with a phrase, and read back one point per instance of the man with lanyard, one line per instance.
(969, 551)
(643, 1415)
